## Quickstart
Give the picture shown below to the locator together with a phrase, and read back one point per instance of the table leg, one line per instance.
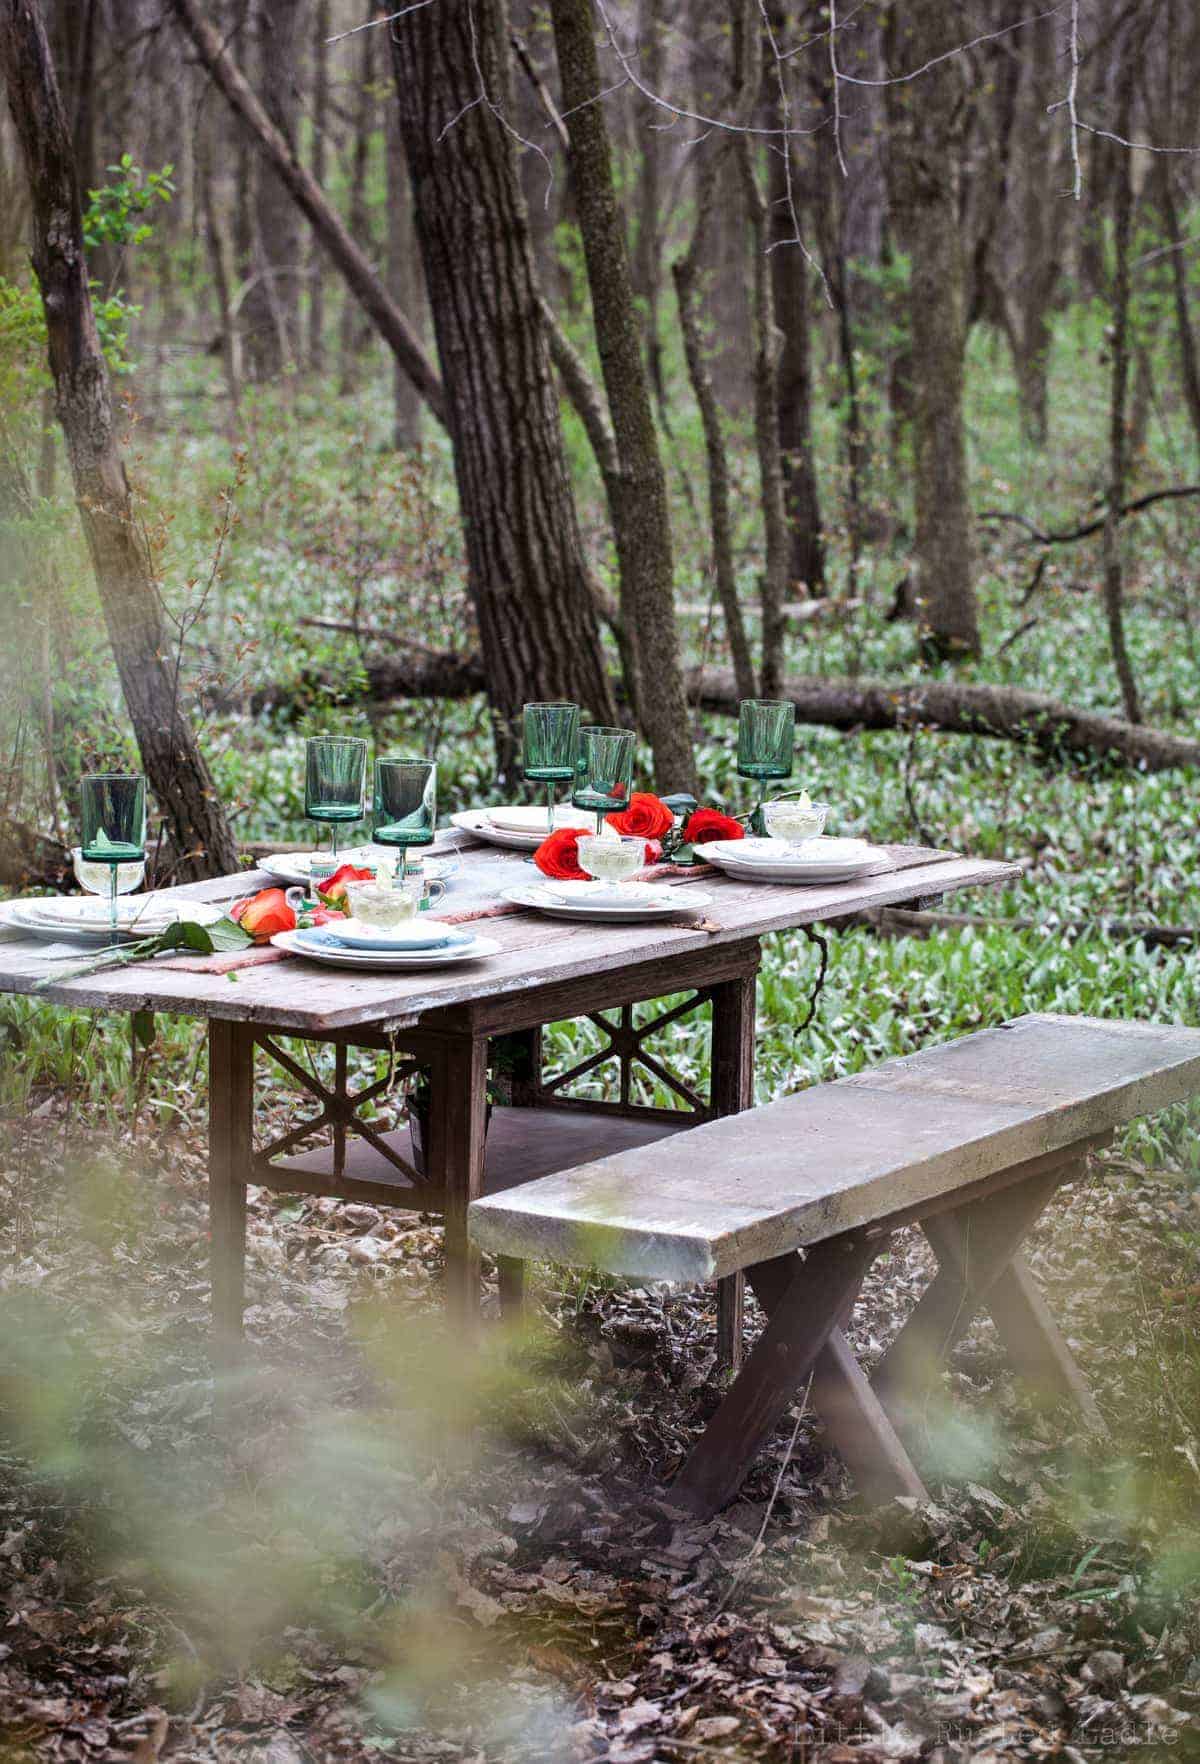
(524, 1049)
(731, 1090)
(457, 1132)
(230, 1153)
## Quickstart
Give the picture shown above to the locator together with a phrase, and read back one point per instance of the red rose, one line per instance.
(558, 855)
(704, 825)
(335, 888)
(263, 914)
(326, 916)
(647, 816)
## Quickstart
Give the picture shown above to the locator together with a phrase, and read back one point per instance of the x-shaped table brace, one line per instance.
(976, 1235)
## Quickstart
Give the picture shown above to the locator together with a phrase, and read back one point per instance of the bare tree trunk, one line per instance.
(318, 166)
(174, 766)
(647, 263)
(528, 575)
(686, 272)
(404, 275)
(924, 115)
(643, 526)
(790, 277)
(349, 257)
(1122, 198)
(1039, 230)
(1189, 366)
(357, 218)
(831, 229)
(269, 311)
(220, 251)
(747, 34)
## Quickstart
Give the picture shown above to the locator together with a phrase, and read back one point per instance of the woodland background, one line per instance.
(649, 353)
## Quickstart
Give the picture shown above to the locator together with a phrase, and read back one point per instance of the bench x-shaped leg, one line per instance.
(979, 1267)
(808, 1300)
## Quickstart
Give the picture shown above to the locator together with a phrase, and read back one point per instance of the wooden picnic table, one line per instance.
(444, 1020)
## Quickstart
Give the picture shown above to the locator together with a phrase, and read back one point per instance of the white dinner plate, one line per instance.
(479, 824)
(603, 909)
(87, 920)
(416, 933)
(293, 866)
(524, 817)
(336, 955)
(616, 893)
(763, 860)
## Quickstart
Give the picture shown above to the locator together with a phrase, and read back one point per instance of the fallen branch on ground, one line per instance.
(903, 922)
(1005, 713)
(1086, 528)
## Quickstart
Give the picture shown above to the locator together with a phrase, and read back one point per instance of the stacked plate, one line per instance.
(352, 944)
(814, 860)
(86, 919)
(520, 827)
(609, 902)
(293, 867)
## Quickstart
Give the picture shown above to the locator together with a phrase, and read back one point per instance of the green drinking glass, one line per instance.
(405, 804)
(551, 748)
(766, 739)
(335, 771)
(113, 808)
(604, 771)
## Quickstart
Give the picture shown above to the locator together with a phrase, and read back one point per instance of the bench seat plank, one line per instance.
(742, 1190)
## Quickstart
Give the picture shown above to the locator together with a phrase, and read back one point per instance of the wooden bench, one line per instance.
(970, 1139)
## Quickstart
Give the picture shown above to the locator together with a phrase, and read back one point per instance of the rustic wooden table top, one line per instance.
(536, 952)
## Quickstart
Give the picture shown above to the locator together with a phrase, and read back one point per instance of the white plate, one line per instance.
(478, 824)
(416, 933)
(813, 866)
(527, 818)
(671, 901)
(87, 920)
(615, 893)
(391, 961)
(294, 866)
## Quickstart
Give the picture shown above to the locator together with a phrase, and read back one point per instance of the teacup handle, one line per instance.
(296, 898)
(435, 890)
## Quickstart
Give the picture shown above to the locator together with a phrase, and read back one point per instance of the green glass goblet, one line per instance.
(405, 805)
(551, 748)
(113, 808)
(335, 770)
(766, 740)
(604, 773)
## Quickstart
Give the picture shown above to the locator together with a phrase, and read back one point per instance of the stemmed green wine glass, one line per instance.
(405, 804)
(551, 748)
(114, 827)
(766, 739)
(335, 770)
(604, 772)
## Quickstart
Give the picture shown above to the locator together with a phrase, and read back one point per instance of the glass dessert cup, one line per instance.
(611, 858)
(795, 822)
(384, 907)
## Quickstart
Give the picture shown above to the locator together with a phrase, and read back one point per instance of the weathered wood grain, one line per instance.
(535, 953)
(848, 1154)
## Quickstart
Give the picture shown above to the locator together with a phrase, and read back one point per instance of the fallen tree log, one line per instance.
(901, 922)
(1006, 713)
